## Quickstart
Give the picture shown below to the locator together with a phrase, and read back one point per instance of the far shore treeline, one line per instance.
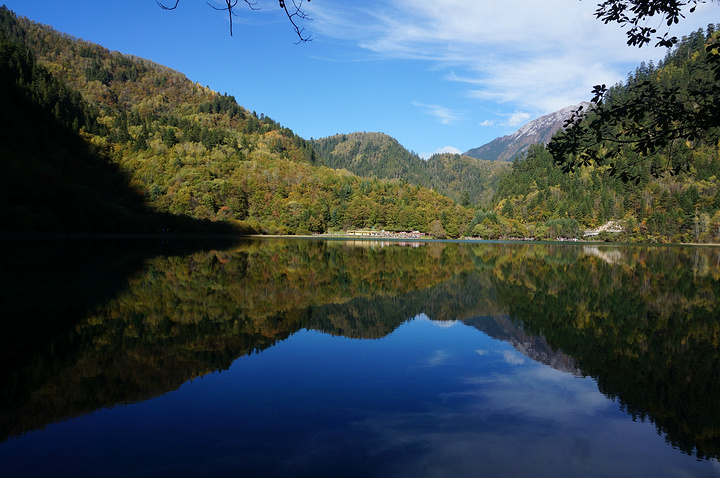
(94, 141)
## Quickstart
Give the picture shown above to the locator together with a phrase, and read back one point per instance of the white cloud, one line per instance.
(518, 118)
(448, 149)
(513, 358)
(442, 114)
(438, 358)
(538, 56)
(443, 150)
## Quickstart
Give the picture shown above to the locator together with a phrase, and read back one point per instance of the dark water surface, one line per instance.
(337, 358)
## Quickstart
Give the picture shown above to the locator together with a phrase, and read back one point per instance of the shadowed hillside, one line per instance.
(183, 149)
(52, 179)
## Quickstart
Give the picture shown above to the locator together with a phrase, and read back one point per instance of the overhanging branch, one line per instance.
(293, 10)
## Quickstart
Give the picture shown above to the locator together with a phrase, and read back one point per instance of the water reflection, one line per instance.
(640, 322)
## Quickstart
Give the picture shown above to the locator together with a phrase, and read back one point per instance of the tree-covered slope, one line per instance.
(51, 179)
(659, 121)
(681, 208)
(675, 194)
(465, 179)
(190, 152)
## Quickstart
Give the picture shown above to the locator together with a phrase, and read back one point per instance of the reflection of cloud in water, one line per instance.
(513, 358)
(438, 358)
(445, 324)
(544, 392)
(509, 357)
(524, 419)
(537, 390)
(535, 421)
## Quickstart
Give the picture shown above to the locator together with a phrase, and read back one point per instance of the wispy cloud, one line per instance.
(515, 119)
(442, 114)
(438, 358)
(513, 358)
(537, 56)
(518, 118)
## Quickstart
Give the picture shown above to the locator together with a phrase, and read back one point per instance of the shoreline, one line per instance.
(329, 236)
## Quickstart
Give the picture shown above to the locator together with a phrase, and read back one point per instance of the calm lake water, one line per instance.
(357, 358)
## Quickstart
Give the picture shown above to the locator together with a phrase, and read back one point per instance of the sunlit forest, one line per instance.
(182, 149)
(670, 194)
(132, 146)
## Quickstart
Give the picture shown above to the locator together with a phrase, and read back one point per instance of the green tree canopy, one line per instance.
(669, 108)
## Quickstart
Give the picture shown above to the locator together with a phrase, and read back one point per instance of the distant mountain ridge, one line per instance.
(377, 155)
(540, 130)
(150, 150)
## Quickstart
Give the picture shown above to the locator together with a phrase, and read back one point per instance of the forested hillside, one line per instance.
(51, 178)
(670, 194)
(465, 179)
(99, 141)
(188, 151)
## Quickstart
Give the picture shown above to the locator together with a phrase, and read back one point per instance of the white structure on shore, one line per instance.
(610, 226)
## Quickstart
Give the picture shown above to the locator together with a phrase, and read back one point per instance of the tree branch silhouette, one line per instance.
(637, 14)
(293, 10)
(649, 117)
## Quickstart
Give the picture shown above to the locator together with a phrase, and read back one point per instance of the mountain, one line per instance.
(261, 294)
(51, 179)
(501, 327)
(175, 150)
(675, 196)
(540, 130)
(464, 179)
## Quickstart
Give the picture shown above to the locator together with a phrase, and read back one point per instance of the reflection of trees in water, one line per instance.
(642, 324)
(646, 330)
(185, 316)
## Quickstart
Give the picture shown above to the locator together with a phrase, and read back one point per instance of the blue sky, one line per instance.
(437, 75)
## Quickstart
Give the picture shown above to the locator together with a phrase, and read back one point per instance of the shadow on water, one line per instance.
(98, 325)
(47, 289)
(91, 324)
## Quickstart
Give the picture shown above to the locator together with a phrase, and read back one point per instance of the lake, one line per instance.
(311, 358)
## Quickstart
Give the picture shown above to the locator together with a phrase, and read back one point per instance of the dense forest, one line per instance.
(51, 179)
(467, 180)
(183, 150)
(669, 194)
(131, 146)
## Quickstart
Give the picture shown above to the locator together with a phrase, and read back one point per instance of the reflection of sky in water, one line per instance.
(425, 401)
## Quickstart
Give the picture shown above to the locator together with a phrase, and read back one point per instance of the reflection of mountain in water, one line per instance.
(184, 316)
(645, 327)
(646, 330)
(535, 347)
